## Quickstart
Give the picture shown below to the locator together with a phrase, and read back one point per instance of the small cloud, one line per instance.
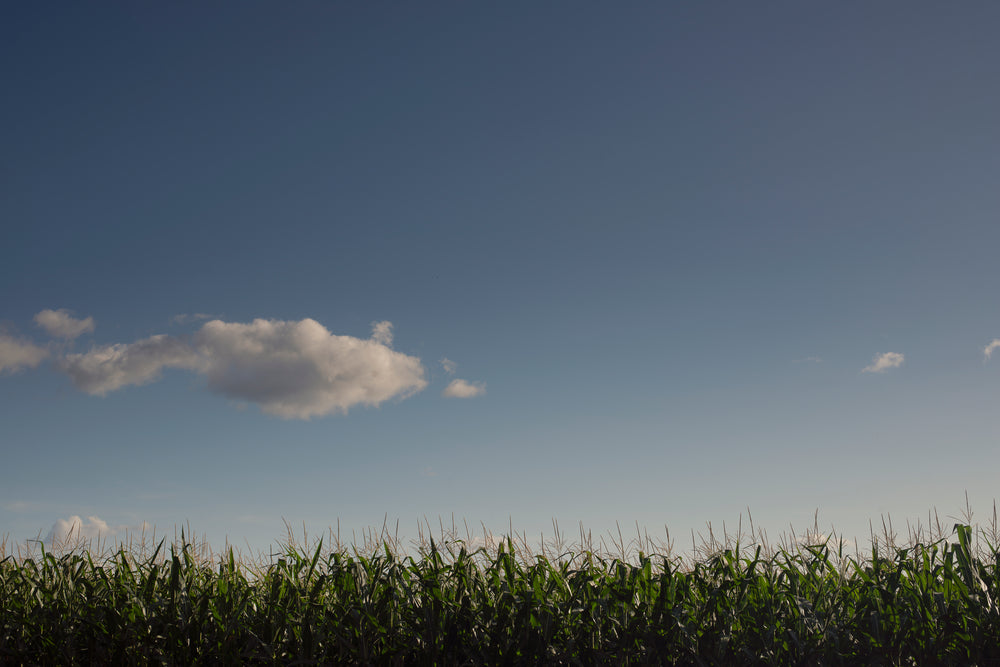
(883, 362)
(988, 350)
(449, 366)
(61, 324)
(428, 471)
(16, 354)
(74, 531)
(461, 389)
(382, 333)
(812, 360)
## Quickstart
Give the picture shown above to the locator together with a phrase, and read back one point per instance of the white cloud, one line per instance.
(74, 530)
(988, 350)
(461, 389)
(17, 354)
(883, 362)
(61, 324)
(294, 369)
(449, 366)
(300, 370)
(105, 369)
(814, 360)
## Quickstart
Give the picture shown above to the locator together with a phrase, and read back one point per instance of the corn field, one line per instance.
(932, 603)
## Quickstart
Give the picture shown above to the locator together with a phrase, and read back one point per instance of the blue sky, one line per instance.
(659, 243)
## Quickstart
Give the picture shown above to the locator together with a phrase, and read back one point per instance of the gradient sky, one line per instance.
(687, 258)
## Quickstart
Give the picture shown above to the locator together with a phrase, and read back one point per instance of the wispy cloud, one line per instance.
(184, 318)
(462, 389)
(988, 350)
(291, 369)
(16, 354)
(382, 333)
(883, 362)
(811, 360)
(61, 324)
(449, 366)
(20, 506)
(112, 367)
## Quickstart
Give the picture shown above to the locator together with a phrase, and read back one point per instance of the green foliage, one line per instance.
(927, 604)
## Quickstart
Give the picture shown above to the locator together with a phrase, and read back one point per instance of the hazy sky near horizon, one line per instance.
(598, 262)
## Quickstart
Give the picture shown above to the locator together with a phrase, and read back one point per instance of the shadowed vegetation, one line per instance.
(926, 603)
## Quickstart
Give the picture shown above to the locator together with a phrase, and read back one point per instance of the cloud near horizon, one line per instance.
(988, 350)
(60, 324)
(461, 389)
(16, 354)
(71, 531)
(74, 531)
(291, 369)
(883, 362)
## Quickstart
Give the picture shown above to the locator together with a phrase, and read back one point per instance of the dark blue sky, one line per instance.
(637, 227)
